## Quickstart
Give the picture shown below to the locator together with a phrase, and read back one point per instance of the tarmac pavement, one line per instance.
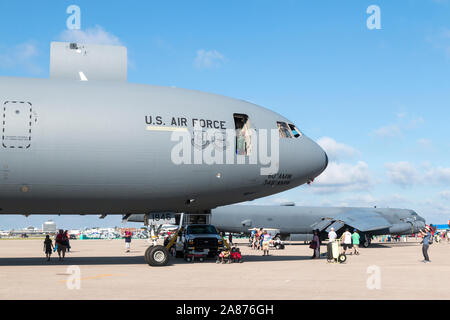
(106, 271)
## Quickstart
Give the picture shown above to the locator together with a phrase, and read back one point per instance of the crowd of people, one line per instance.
(350, 242)
(261, 240)
(62, 244)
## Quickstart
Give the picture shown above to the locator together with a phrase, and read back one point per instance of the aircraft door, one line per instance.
(243, 134)
(16, 126)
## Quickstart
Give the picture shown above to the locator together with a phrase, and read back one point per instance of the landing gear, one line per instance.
(342, 258)
(367, 241)
(157, 256)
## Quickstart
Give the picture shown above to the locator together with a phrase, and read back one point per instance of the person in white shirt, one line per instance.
(347, 240)
(332, 235)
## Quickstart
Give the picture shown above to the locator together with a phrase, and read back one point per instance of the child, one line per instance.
(223, 256)
(236, 255)
(48, 246)
(266, 240)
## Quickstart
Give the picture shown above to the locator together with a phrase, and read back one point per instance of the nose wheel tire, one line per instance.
(157, 256)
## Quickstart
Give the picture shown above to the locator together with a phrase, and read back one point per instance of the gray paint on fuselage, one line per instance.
(90, 151)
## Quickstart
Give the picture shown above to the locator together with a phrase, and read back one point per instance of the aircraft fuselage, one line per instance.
(105, 148)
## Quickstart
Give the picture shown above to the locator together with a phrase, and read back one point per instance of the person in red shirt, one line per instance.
(61, 243)
(127, 236)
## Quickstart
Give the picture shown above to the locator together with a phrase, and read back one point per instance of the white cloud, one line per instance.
(438, 175)
(95, 35)
(401, 114)
(335, 150)
(340, 177)
(405, 174)
(404, 122)
(209, 59)
(425, 143)
(440, 40)
(402, 173)
(391, 131)
(363, 200)
(415, 123)
(445, 194)
(21, 56)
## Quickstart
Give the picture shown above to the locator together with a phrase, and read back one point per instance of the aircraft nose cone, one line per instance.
(315, 158)
(326, 161)
(420, 225)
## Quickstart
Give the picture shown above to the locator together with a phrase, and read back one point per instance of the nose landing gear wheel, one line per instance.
(157, 256)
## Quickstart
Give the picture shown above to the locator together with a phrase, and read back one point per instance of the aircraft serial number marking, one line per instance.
(281, 179)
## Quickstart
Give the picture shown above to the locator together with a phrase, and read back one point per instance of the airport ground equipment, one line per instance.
(191, 241)
(334, 254)
(201, 241)
(278, 244)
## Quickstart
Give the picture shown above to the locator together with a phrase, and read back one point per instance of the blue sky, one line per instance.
(377, 100)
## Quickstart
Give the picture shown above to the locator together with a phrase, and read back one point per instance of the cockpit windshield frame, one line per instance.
(295, 132)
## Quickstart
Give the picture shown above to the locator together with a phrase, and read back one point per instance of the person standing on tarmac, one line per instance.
(332, 235)
(61, 244)
(254, 240)
(347, 240)
(426, 243)
(68, 240)
(259, 239)
(230, 239)
(315, 245)
(127, 236)
(48, 247)
(355, 241)
(266, 239)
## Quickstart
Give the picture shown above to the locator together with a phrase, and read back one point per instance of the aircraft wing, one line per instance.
(363, 220)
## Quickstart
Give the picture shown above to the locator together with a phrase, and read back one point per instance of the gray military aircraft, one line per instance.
(299, 222)
(86, 141)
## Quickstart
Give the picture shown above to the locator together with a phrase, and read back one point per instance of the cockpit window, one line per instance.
(243, 134)
(284, 130)
(297, 133)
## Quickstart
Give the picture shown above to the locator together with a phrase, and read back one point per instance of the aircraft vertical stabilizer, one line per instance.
(88, 62)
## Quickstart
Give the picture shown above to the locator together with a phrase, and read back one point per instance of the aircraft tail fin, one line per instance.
(88, 62)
